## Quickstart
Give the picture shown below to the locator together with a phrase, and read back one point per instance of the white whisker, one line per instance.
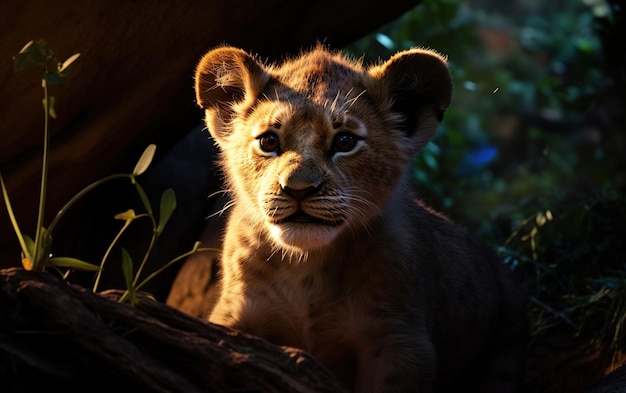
(352, 101)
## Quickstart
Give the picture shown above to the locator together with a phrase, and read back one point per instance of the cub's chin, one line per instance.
(302, 232)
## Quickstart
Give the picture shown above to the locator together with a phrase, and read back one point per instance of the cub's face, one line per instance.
(316, 146)
(309, 168)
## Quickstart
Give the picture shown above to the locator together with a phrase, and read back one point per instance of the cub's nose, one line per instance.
(300, 193)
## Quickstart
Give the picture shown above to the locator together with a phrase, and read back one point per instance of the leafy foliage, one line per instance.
(530, 151)
(573, 266)
(37, 254)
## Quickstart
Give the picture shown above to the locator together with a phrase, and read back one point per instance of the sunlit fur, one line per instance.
(326, 247)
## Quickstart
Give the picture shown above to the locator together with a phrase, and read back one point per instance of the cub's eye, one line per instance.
(269, 142)
(344, 142)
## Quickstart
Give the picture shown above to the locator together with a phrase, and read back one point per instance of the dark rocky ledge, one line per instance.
(57, 335)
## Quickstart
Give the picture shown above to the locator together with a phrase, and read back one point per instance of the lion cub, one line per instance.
(327, 248)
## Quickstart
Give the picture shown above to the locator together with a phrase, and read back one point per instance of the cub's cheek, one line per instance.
(265, 194)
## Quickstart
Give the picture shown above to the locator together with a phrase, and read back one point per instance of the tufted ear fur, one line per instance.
(416, 84)
(227, 80)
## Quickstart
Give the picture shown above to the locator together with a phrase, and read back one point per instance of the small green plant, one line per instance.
(36, 254)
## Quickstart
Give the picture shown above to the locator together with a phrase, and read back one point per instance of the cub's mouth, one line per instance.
(301, 217)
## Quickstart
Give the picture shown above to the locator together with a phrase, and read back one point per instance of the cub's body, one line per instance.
(327, 248)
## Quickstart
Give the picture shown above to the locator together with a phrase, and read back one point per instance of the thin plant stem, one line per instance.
(16, 227)
(108, 251)
(37, 265)
(170, 263)
(162, 268)
(110, 248)
(82, 193)
(155, 234)
(155, 228)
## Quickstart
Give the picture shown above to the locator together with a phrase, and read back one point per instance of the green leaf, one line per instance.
(128, 215)
(63, 68)
(127, 269)
(27, 58)
(27, 256)
(43, 48)
(51, 112)
(52, 78)
(144, 160)
(73, 263)
(41, 256)
(43, 252)
(29, 242)
(33, 54)
(144, 197)
(168, 205)
(24, 61)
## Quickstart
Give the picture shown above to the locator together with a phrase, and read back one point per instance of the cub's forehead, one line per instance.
(319, 75)
(284, 114)
(319, 86)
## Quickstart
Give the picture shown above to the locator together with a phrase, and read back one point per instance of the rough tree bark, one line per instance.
(56, 335)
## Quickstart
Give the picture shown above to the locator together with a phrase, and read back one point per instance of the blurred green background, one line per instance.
(530, 154)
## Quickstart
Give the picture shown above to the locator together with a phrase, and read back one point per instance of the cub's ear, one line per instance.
(416, 85)
(228, 80)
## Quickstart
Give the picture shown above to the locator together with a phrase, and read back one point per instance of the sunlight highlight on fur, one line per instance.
(326, 248)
